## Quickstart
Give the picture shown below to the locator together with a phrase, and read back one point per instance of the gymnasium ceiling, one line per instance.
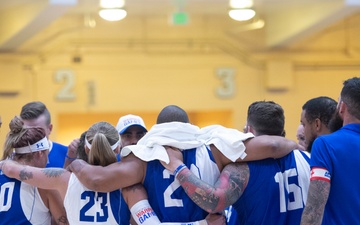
(32, 26)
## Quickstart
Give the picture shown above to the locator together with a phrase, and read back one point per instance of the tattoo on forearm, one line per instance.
(226, 191)
(317, 198)
(200, 192)
(24, 175)
(53, 172)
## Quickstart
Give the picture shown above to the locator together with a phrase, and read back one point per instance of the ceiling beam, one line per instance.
(20, 23)
(296, 23)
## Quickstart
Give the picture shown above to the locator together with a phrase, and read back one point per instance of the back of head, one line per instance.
(350, 95)
(19, 136)
(33, 110)
(172, 113)
(321, 107)
(102, 139)
(266, 118)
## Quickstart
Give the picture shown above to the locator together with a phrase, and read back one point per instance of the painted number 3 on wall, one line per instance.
(227, 87)
(67, 78)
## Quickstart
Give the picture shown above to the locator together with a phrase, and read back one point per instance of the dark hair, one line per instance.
(81, 148)
(33, 110)
(172, 113)
(350, 95)
(322, 108)
(266, 118)
(19, 136)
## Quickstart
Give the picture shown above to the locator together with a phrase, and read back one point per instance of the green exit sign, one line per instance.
(180, 18)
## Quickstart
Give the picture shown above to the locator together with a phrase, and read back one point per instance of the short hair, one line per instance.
(321, 107)
(350, 95)
(172, 113)
(266, 118)
(20, 136)
(102, 136)
(33, 110)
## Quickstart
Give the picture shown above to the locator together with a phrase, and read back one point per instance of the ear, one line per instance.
(50, 127)
(342, 108)
(87, 150)
(117, 149)
(251, 129)
(318, 124)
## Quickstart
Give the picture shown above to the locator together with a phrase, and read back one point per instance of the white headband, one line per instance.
(41, 145)
(113, 147)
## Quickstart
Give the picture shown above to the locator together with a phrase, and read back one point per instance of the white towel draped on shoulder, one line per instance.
(229, 141)
(186, 136)
(175, 134)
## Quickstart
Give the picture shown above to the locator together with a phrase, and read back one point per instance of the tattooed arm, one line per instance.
(226, 191)
(318, 195)
(45, 178)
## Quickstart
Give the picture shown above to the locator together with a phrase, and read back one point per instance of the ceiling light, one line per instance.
(241, 14)
(112, 3)
(112, 14)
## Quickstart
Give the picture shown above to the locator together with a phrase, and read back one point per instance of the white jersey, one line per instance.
(84, 206)
(21, 203)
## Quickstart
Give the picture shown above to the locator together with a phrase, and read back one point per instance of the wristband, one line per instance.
(69, 158)
(143, 214)
(179, 168)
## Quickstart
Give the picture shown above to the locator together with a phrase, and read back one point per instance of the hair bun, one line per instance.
(16, 125)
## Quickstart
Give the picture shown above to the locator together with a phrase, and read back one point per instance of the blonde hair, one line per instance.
(102, 136)
(19, 136)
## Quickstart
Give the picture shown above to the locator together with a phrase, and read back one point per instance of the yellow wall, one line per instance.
(141, 64)
(143, 84)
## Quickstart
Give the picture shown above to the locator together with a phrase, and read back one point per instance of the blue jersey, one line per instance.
(276, 192)
(21, 204)
(166, 196)
(57, 155)
(87, 207)
(231, 216)
(339, 154)
(125, 213)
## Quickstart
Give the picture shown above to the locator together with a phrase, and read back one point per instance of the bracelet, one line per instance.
(179, 168)
(69, 158)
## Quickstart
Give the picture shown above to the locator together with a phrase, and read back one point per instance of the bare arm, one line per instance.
(267, 146)
(318, 195)
(257, 148)
(131, 170)
(55, 204)
(133, 194)
(45, 178)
